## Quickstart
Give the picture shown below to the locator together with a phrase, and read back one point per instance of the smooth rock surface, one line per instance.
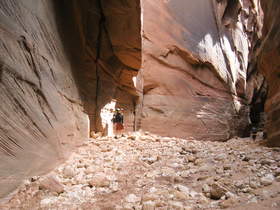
(268, 64)
(194, 63)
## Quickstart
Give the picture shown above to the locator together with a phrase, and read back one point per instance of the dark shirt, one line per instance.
(118, 118)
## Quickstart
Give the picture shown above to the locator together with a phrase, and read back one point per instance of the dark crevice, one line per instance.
(230, 15)
(101, 27)
(257, 105)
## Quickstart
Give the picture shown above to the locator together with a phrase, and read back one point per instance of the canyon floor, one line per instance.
(144, 171)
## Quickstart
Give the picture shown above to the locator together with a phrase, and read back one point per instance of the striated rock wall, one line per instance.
(41, 112)
(60, 63)
(195, 60)
(269, 65)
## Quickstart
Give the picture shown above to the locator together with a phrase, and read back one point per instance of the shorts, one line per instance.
(119, 126)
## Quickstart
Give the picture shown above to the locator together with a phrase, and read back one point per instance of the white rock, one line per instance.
(149, 205)
(176, 205)
(206, 188)
(48, 201)
(153, 190)
(230, 195)
(187, 191)
(90, 170)
(185, 174)
(69, 172)
(267, 180)
(220, 157)
(100, 180)
(132, 198)
(52, 184)
(183, 189)
(254, 184)
(253, 200)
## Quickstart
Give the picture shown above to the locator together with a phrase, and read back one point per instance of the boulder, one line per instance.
(132, 198)
(217, 191)
(99, 180)
(267, 179)
(51, 184)
(69, 172)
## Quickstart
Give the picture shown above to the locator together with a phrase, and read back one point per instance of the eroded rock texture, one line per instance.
(195, 60)
(40, 109)
(269, 64)
(103, 38)
(60, 62)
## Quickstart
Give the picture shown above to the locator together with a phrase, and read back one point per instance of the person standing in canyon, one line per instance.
(118, 121)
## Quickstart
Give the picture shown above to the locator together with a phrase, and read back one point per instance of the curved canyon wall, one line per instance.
(40, 110)
(193, 75)
(60, 63)
(195, 60)
(104, 43)
(269, 65)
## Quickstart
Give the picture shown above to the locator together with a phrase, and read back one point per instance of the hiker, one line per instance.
(118, 121)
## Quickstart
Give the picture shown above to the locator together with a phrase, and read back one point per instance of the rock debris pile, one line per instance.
(146, 172)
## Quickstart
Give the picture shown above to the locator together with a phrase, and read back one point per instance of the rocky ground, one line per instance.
(146, 172)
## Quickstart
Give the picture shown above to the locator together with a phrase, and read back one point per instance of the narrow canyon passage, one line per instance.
(146, 172)
(194, 81)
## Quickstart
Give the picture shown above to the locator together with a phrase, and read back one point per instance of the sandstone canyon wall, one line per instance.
(195, 60)
(103, 38)
(190, 72)
(269, 65)
(60, 63)
(40, 109)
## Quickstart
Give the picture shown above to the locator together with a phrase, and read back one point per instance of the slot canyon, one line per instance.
(192, 78)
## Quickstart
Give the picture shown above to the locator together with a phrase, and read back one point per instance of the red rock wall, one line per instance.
(195, 60)
(104, 40)
(269, 65)
(41, 112)
(60, 63)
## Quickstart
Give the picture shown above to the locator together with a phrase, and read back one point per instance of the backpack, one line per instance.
(118, 118)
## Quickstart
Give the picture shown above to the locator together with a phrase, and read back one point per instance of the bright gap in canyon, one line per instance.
(140, 104)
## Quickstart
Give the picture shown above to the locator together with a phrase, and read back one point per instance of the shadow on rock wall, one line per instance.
(57, 65)
(194, 69)
(102, 39)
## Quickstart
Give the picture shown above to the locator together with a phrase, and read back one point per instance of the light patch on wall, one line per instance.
(210, 51)
(237, 104)
(134, 79)
(232, 58)
(88, 126)
(106, 115)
